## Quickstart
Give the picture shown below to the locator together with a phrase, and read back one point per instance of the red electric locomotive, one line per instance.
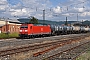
(32, 30)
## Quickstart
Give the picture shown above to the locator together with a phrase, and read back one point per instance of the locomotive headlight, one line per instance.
(20, 30)
(26, 30)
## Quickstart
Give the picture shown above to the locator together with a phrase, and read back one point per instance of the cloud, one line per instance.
(67, 14)
(57, 9)
(3, 2)
(79, 9)
(26, 8)
(85, 14)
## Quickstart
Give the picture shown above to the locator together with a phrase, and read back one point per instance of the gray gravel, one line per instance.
(63, 48)
(17, 42)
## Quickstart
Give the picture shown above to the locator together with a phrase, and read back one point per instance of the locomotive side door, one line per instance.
(31, 30)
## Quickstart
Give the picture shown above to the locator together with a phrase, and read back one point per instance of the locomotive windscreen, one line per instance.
(24, 27)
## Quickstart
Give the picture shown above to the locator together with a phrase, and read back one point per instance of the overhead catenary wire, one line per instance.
(50, 9)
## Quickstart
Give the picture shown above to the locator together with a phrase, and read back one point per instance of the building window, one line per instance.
(4, 29)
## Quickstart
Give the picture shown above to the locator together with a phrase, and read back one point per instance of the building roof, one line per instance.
(3, 22)
(2, 25)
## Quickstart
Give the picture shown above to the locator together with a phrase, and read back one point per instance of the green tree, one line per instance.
(33, 20)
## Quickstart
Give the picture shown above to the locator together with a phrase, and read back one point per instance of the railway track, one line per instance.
(52, 46)
(71, 53)
(64, 42)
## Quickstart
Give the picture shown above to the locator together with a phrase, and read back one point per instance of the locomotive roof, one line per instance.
(40, 24)
(35, 24)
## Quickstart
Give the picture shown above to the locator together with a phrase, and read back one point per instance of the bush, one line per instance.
(14, 35)
(4, 35)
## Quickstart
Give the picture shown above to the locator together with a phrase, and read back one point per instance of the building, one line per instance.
(7, 27)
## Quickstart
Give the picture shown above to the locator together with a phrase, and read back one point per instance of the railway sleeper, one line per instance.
(69, 52)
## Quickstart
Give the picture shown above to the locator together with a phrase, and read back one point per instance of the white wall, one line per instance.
(0, 31)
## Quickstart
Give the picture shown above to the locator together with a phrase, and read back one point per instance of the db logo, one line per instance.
(41, 29)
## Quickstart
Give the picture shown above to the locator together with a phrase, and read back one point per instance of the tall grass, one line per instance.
(4, 35)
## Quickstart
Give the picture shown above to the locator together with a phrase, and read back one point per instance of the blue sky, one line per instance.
(55, 10)
(14, 2)
(56, 2)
